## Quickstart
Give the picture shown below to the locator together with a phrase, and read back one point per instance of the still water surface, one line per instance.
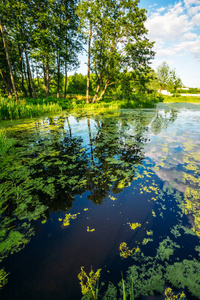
(77, 186)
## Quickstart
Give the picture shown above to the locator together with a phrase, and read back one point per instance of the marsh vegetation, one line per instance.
(89, 190)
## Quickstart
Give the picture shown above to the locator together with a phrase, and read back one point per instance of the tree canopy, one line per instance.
(41, 40)
(168, 79)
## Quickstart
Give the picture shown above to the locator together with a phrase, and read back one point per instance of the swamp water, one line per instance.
(117, 191)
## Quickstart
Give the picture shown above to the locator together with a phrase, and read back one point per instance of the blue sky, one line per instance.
(175, 28)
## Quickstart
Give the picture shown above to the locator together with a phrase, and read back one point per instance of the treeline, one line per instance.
(130, 84)
(41, 39)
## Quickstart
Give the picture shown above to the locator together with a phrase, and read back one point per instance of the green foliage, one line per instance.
(10, 110)
(185, 274)
(181, 99)
(163, 75)
(111, 292)
(144, 281)
(189, 91)
(110, 24)
(5, 144)
(3, 278)
(77, 84)
(166, 249)
(174, 81)
(168, 79)
(89, 284)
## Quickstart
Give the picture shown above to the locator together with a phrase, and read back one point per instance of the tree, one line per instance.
(119, 41)
(163, 75)
(174, 81)
(9, 62)
(87, 13)
(4, 71)
(168, 78)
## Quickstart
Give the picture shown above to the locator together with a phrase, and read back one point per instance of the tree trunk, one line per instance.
(103, 92)
(70, 131)
(44, 72)
(65, 92)
(38, 81)
(90, 137)
(7, 85)
(47, 78)
(29, 85)
(9, 63)
(21, 70)
(96, 93)
(58, 83)
(29, 74)
(88, 73)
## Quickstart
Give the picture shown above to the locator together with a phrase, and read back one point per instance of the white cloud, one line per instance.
(169, 26)
(192, 47)
(193, 10)
(196, 20)
(161, 9)
(188, 3)
(189, 36)
(166, 52)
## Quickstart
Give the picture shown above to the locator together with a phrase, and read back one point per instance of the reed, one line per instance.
(9, 110)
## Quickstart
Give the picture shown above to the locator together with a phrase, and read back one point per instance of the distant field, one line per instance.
(182, 98)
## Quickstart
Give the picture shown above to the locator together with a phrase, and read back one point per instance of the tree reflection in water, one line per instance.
(97, 157)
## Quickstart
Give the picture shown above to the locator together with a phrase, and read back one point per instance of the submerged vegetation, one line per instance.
(109, 174)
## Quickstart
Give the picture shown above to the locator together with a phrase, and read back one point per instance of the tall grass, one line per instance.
(35, 107)
(10, 110)
(138, 101)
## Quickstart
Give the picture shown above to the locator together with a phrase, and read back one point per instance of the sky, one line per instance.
(175, 28)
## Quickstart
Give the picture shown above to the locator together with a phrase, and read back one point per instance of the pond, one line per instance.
(112, 190)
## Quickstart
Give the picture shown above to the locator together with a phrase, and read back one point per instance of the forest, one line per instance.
(41, 41)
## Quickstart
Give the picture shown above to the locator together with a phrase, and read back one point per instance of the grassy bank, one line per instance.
(28, 108)
(10, 110)
(181, 99)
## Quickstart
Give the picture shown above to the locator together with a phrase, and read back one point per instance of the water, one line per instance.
(79, 185)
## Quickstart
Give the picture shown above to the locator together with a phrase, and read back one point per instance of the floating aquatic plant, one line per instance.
(90, 230)
(124, 250)
(134, 225)
(166, 249)
(169, 295)
(89, 283)
(68, 217)
(3, 278)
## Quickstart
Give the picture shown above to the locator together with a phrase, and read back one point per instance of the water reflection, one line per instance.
(133, 163)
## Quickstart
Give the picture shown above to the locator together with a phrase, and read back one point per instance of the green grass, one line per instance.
(190, 99)
(9, 110)
(28, 108)
(137, 101)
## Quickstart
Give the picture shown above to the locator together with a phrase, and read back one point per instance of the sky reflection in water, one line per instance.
(78, 186)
